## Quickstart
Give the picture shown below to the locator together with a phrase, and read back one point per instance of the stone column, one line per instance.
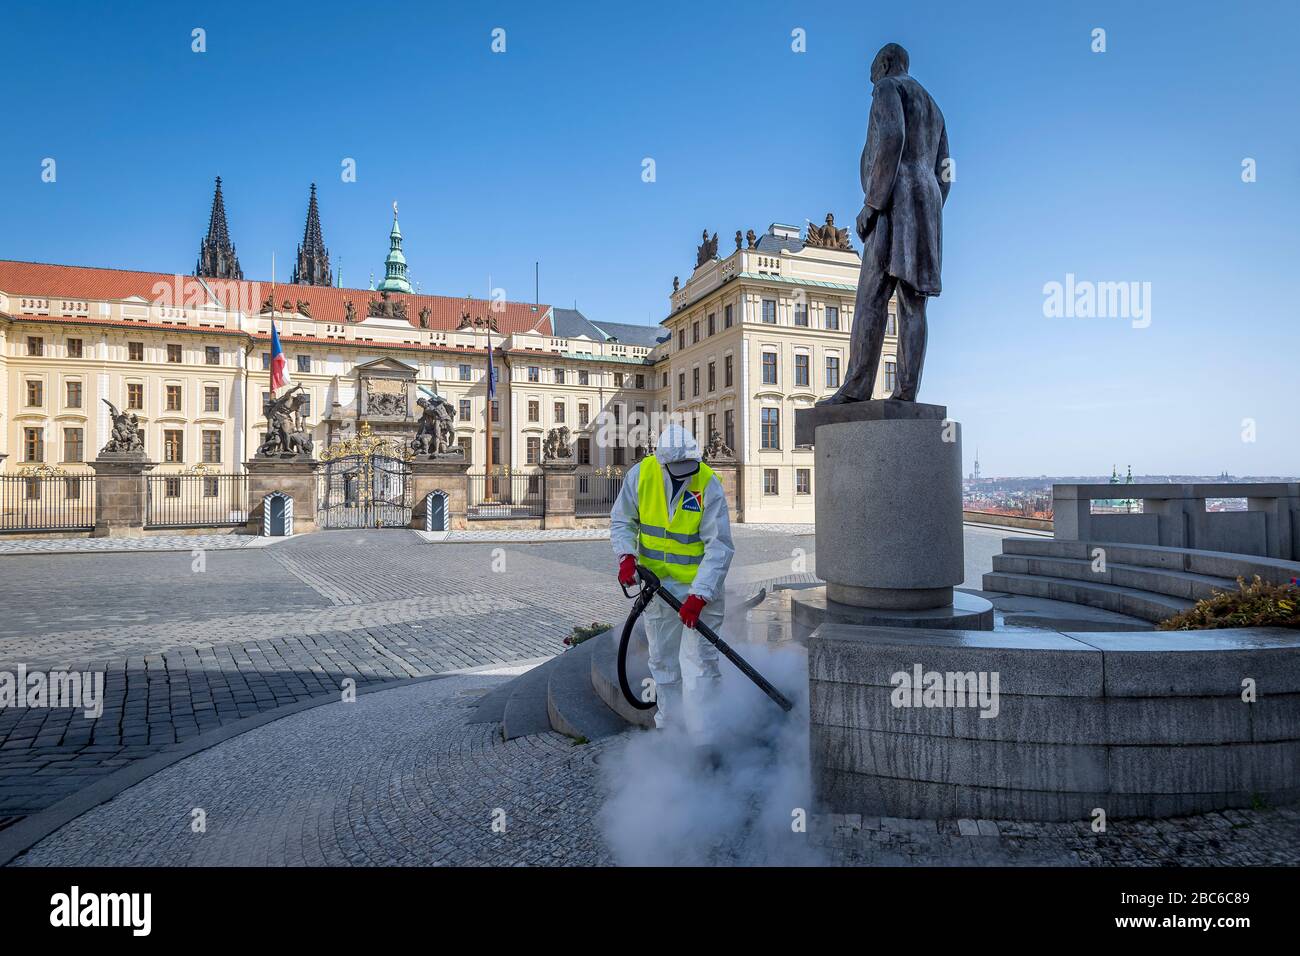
(120, 494)
(728, 472)
(561, 494)
(447, 474)
(296, 477)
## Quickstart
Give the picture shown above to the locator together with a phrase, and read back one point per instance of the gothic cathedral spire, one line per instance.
(313, 266)
(217, 259)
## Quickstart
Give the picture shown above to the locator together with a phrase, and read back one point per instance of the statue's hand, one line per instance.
(866, 219)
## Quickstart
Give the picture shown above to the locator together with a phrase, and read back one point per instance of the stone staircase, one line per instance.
(1143, 581)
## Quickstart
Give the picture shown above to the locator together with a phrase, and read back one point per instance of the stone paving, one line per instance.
(155, 542)
(401, 777)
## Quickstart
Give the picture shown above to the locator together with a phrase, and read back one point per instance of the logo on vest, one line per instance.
(693, 501)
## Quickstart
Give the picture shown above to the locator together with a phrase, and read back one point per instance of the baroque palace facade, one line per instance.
(748, 339)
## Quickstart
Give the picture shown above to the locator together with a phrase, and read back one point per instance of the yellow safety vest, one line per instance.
(674, 548)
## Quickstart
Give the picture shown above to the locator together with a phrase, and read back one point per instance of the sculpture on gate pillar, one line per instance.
(557, 447)
(286, 435)
(906, 174)
(127, 437)
(435, 433)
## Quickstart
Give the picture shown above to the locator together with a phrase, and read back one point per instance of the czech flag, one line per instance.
(279, 366)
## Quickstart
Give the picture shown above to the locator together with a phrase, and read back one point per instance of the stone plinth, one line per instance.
(120, 494)
(728, 472)
(888, 512)
(810, 608)
(561, 494)
(446, 474)
(296, 477)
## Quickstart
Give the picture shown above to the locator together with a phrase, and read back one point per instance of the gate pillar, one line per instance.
(295, 477)
(447, 475)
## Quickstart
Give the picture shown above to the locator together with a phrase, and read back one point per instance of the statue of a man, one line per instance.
(905, 178)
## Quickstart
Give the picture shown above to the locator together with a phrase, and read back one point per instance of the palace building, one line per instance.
(748, 338)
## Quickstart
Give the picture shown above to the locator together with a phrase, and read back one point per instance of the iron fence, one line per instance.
(506, 496)
(596, 494)
(195, 501)
(47, 502)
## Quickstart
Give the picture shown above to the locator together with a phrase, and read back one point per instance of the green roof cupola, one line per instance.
(395, 265)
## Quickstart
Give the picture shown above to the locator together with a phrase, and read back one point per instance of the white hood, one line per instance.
(676, 444)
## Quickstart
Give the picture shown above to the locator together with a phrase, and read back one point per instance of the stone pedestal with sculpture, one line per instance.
(440, 491)
(291, 475)
(121, 498)
(560, 483)
(719, 456)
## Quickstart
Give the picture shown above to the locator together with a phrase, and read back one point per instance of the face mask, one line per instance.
(683, 469)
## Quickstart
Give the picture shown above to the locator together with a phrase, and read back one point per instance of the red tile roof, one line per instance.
(326, 304)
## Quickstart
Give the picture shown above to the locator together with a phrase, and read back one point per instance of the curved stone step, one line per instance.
(1110, 597)
(572, 704)
(526, 711)
(1181, 584)
(1220, 564)
(604, 673)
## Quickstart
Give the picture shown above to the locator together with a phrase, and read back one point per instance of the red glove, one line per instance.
(627, 571)
(691, 609)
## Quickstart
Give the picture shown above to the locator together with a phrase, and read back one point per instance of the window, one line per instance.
(266, 361)
(72, 487)
(729, 428)
(584, 414)
(833, 318)
(171, 487)
(618, 455)
(534, 450)
(35, 345)
(211, 398)
(135, 396)
(681, 386)
(212, 447)
(174, 354)
(35, 392)
(769, 311)
(135, 352)
(75, 348)
(304, 409)
(212, 354)
(559, 412)
(769, 368)
(665, 380)
(681, 338)
(74, 445)
(465, 409)
(713, 376)
(584, 377)
(173, 398)
(801, 314)
(534, 410)
(695, 381)
(173, 445)
(496, 451)
(496, 415)
(891, 324)
(464, 372)
(304, 363)
(584, 451)
(534, 373)
(726, 372)
(640, 381)
(466, 446)
(891, 377)
(74, 394)
(695, 331)
(832, 371)
(802, 481)
(712, 322)
(801, 368)
(211, 487)
(33, 445)
(711, 424)
(770, 483)
(726, 317)
(559, 376)
(618, 379)
(771, 428)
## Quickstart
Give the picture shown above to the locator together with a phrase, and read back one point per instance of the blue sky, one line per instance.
(1115, 166)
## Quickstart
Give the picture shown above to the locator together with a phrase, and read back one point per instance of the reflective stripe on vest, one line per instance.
(672, 549)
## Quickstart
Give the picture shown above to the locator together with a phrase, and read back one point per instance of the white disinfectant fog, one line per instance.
(735, 789)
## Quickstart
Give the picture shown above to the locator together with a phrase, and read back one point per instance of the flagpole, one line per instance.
(487, 480)
(270, 371)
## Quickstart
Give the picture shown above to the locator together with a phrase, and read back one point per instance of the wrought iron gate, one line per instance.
(365, 483)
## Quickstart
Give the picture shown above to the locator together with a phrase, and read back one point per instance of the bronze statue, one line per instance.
(906, 175)
(828, 236)
(127, 436)
(706, 250)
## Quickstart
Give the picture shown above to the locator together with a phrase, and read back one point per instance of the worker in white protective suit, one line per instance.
(671, 517)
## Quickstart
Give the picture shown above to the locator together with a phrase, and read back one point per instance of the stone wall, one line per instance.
(1146, 725)
(295, 477)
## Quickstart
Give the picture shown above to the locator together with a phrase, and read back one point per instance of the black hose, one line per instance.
(638, 606)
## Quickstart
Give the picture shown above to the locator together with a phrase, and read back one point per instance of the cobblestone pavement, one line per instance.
(401, 777)
(157, 542)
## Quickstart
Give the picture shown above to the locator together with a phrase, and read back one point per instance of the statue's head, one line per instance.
(890, 61)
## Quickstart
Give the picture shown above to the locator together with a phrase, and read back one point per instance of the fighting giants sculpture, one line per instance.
(286, 434)
(435, 432)
(128, 436)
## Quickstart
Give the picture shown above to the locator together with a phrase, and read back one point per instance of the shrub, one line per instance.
(1257, 604)
(581, 634)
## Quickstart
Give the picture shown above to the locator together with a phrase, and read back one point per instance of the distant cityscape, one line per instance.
(1031, 497)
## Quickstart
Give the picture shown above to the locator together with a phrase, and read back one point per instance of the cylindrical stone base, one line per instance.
(889, 523)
